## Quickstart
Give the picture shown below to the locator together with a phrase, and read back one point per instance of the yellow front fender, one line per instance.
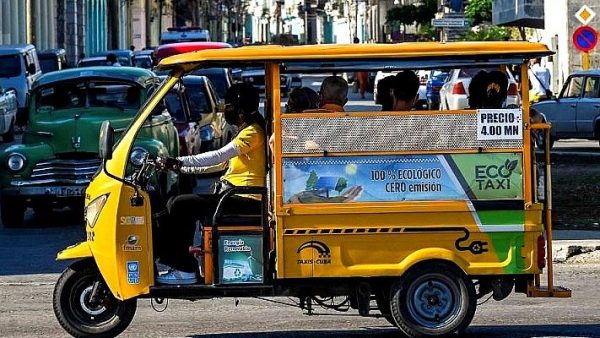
(79, 250)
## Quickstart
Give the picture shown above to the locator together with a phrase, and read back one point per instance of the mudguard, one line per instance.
(79, 250)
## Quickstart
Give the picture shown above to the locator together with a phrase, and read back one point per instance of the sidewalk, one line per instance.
(576, 246)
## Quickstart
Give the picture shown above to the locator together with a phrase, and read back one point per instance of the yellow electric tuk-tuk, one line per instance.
(410, 215)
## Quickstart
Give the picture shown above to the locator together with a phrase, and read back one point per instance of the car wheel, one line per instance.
(432, 300)
(82, 316)
(382, 298)
(9, 136)
(540, 141)
(13, 211)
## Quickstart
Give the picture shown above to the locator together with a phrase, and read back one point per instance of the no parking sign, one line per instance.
(585, 38)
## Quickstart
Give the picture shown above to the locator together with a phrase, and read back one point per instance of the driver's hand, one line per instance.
(168, 163)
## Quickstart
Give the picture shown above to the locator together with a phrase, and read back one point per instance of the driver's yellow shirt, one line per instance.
(249, 167)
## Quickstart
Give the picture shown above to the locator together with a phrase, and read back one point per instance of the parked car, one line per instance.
(221, 78)
(193, 106)
(59, 151)
(420, 103)
(8, 114)
(454, 94)
(19, 68)
(125, 56)
(575, 113)
(52, 60)
(143, 59)
(256, 77)
(184, 34)
(432, 88)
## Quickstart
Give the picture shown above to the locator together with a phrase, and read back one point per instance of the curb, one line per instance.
(576, 251)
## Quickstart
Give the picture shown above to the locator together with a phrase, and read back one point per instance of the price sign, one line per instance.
(499, 124)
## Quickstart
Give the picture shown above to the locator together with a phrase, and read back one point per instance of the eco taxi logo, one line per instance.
(324, 253)
(495, 177)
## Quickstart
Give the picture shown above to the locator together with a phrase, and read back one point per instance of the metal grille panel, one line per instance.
(385, 133)
(62, 172)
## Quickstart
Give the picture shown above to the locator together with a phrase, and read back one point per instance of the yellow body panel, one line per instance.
(79, 250)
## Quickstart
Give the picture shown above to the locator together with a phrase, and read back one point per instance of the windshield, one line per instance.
(198, 100)
(10, 66)
(142, 62)
(48, 64)
(89, 94)
(175, 106)
(218, 77)
(470, 72)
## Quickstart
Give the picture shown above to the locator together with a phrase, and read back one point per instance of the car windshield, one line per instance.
(470, 72)
(174, 106)
(10, 66)
(198, 100)
(91, 94)
(142, 62)
(218, 77)
(48, 64)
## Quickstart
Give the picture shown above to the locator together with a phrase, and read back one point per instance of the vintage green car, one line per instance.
(59, 153)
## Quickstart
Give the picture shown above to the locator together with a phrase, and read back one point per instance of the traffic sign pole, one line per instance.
(585, 61)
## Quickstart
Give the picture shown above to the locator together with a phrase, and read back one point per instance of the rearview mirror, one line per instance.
(107, 135)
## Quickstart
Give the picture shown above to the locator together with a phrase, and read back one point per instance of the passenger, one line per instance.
(404, 90)
(333, 94)
(496, 90)
(247, 162)
(476, 89)
(488, 90)
(384, 95)
(301, 99)
(111, 60)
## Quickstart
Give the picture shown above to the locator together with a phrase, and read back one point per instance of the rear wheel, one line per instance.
(13, 211)
(433, 300)
(382, 298)
(85, 307)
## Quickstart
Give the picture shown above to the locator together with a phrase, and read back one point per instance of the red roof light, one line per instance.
(186, 47)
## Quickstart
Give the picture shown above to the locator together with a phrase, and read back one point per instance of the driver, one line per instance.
(246, 154)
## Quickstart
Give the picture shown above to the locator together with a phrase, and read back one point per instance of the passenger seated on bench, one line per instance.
(404, 90)
(247, 163)
(333, 93)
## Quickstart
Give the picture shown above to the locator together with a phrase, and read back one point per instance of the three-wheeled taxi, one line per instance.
(408, 215)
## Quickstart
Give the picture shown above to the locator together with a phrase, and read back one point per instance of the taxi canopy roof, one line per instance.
(319, 58)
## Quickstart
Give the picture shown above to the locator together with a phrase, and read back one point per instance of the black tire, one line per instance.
(433, 300)
(13, 211)
(539, 140)
(9, 136)
(382, 298)
(81, 319)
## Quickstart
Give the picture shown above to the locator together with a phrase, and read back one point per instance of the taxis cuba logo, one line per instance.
(495, 177)
(323, 251)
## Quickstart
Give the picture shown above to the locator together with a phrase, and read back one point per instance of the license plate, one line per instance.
(68, 191)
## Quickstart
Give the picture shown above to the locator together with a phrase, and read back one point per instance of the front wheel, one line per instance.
(85, 307)
(433, 300)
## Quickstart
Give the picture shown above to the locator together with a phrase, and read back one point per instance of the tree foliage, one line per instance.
(478, 11)
(488, 33)
(410, 14)
(311, 182)
(342, 184)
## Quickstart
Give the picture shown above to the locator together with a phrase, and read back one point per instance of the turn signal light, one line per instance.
(512, 89)
(458, 89)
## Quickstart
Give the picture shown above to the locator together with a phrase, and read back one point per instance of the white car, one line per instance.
(421, 102)
(454, 94)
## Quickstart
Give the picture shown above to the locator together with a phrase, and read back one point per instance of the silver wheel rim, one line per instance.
(84, 299)
(433, 301)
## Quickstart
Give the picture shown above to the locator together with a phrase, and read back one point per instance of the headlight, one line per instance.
(15, 161)
(92, 211)
(207, 133)
(137, 156)
(250, 79)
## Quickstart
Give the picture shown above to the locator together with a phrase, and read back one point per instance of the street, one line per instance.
(27, 312)
(28, 272)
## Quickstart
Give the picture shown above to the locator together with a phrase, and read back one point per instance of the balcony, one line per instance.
(523, 13)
